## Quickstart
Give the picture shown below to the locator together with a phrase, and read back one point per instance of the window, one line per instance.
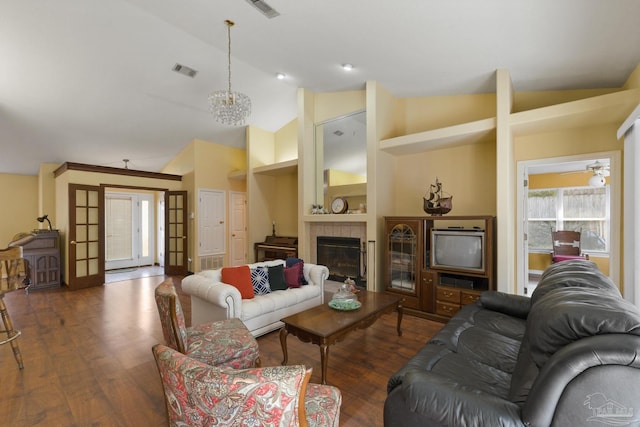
(584, 209)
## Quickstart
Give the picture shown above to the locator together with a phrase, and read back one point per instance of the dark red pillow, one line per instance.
(291, 262)
(240, 277)
(292, 275)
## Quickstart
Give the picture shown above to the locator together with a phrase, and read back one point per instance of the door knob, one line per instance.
(73, 242)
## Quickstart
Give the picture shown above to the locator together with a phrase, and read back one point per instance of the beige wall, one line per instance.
(523, 101)
(425, 113)
(286, 142)
(206, 166)
(467, 172)
(19, 206)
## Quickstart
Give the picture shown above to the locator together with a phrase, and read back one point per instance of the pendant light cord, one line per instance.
(229, 25)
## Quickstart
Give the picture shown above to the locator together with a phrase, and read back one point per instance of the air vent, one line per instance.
(184, 70)
(338, 133)
(264, 8)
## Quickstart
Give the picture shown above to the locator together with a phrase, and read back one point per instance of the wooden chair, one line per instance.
(225, 343)
(566, 246)
(12, 277)
(197, 394)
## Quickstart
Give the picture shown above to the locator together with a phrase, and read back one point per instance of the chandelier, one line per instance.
(229, 108)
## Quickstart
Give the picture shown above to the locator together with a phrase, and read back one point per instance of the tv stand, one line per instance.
(434, 292)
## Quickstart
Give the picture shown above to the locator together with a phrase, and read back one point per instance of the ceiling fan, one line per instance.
(598, 168)
(600, 171)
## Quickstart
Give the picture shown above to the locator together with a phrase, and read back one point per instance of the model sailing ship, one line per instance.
(436, 201)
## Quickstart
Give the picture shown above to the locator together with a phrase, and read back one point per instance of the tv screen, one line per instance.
(458, 250)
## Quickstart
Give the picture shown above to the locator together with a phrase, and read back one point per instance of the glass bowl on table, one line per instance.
(344, 299)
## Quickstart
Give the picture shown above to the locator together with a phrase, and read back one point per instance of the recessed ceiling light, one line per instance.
(347, 67)
(281, 76)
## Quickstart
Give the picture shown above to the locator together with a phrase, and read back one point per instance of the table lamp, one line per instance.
(43, 218)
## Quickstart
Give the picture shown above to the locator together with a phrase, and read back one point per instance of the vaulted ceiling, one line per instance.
(92, 82)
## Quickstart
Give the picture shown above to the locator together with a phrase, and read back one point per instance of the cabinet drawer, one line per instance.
(467, 297)
(448, 294)
(409, 301)
(446, 309)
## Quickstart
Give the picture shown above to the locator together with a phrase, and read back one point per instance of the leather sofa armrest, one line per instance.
(220, 294)
(606, 365)
(513, 305)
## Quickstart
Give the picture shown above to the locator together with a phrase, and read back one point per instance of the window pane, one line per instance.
(542, 203)
(539, 234)
(592, 237)
(586, 202)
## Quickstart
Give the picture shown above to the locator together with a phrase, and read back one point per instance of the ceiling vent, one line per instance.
(184, 70)
(338, 133)
(264, 8)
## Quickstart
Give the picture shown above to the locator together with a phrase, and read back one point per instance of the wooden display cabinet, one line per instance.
(403, 259)
(438, 291)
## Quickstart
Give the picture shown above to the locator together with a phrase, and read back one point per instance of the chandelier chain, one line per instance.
(229, 25)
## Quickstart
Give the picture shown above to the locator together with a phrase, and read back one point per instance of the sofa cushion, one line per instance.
(565, 315)
(293, 275)
(260, 280)
(277, 300)
(277, 281)
(240, 278)
(293, 261)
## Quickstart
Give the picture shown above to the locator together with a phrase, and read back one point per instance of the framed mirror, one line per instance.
(341, 163)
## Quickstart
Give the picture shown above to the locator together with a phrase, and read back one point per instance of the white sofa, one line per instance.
(212, 300)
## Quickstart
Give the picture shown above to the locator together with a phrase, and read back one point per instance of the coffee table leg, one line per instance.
(324, 361)
(283, 343)
(400, 311)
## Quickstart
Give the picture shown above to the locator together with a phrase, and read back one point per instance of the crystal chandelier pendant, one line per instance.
(228, 107)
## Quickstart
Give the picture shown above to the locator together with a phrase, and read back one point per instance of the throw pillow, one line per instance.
(240, 277)
(260, 280)
(292, 275)
(293, 261)
(276, 278)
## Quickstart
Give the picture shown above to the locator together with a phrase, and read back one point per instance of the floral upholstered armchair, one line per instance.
(225, 343)
(200, 395)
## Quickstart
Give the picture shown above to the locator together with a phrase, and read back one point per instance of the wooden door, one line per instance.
(238, 228)
(86, 236)
(176, 255)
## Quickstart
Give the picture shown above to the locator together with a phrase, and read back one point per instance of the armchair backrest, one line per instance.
(566, 242)
(197, 394)
(171, 316)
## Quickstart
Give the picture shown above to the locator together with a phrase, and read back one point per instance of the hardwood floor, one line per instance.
(88, 362)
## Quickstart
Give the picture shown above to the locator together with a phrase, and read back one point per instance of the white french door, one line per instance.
(129, 230)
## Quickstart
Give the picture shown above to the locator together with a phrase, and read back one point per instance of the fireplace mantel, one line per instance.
(336, 218)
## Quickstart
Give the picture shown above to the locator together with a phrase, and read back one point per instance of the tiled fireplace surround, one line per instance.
(356, 230)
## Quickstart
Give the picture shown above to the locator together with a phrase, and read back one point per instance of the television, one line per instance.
(458, 249)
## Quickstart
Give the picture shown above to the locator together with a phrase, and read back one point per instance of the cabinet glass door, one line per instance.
(402, 258)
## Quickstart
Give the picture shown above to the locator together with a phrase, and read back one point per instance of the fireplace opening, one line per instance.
(342, 256)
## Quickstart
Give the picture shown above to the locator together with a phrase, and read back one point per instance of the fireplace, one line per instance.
(342, 256)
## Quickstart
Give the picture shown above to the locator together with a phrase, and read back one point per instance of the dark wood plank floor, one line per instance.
(88, 361)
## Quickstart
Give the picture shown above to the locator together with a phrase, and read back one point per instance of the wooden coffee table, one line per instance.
(323, 325)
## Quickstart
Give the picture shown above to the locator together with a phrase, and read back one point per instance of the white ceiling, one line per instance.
(91, 81)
